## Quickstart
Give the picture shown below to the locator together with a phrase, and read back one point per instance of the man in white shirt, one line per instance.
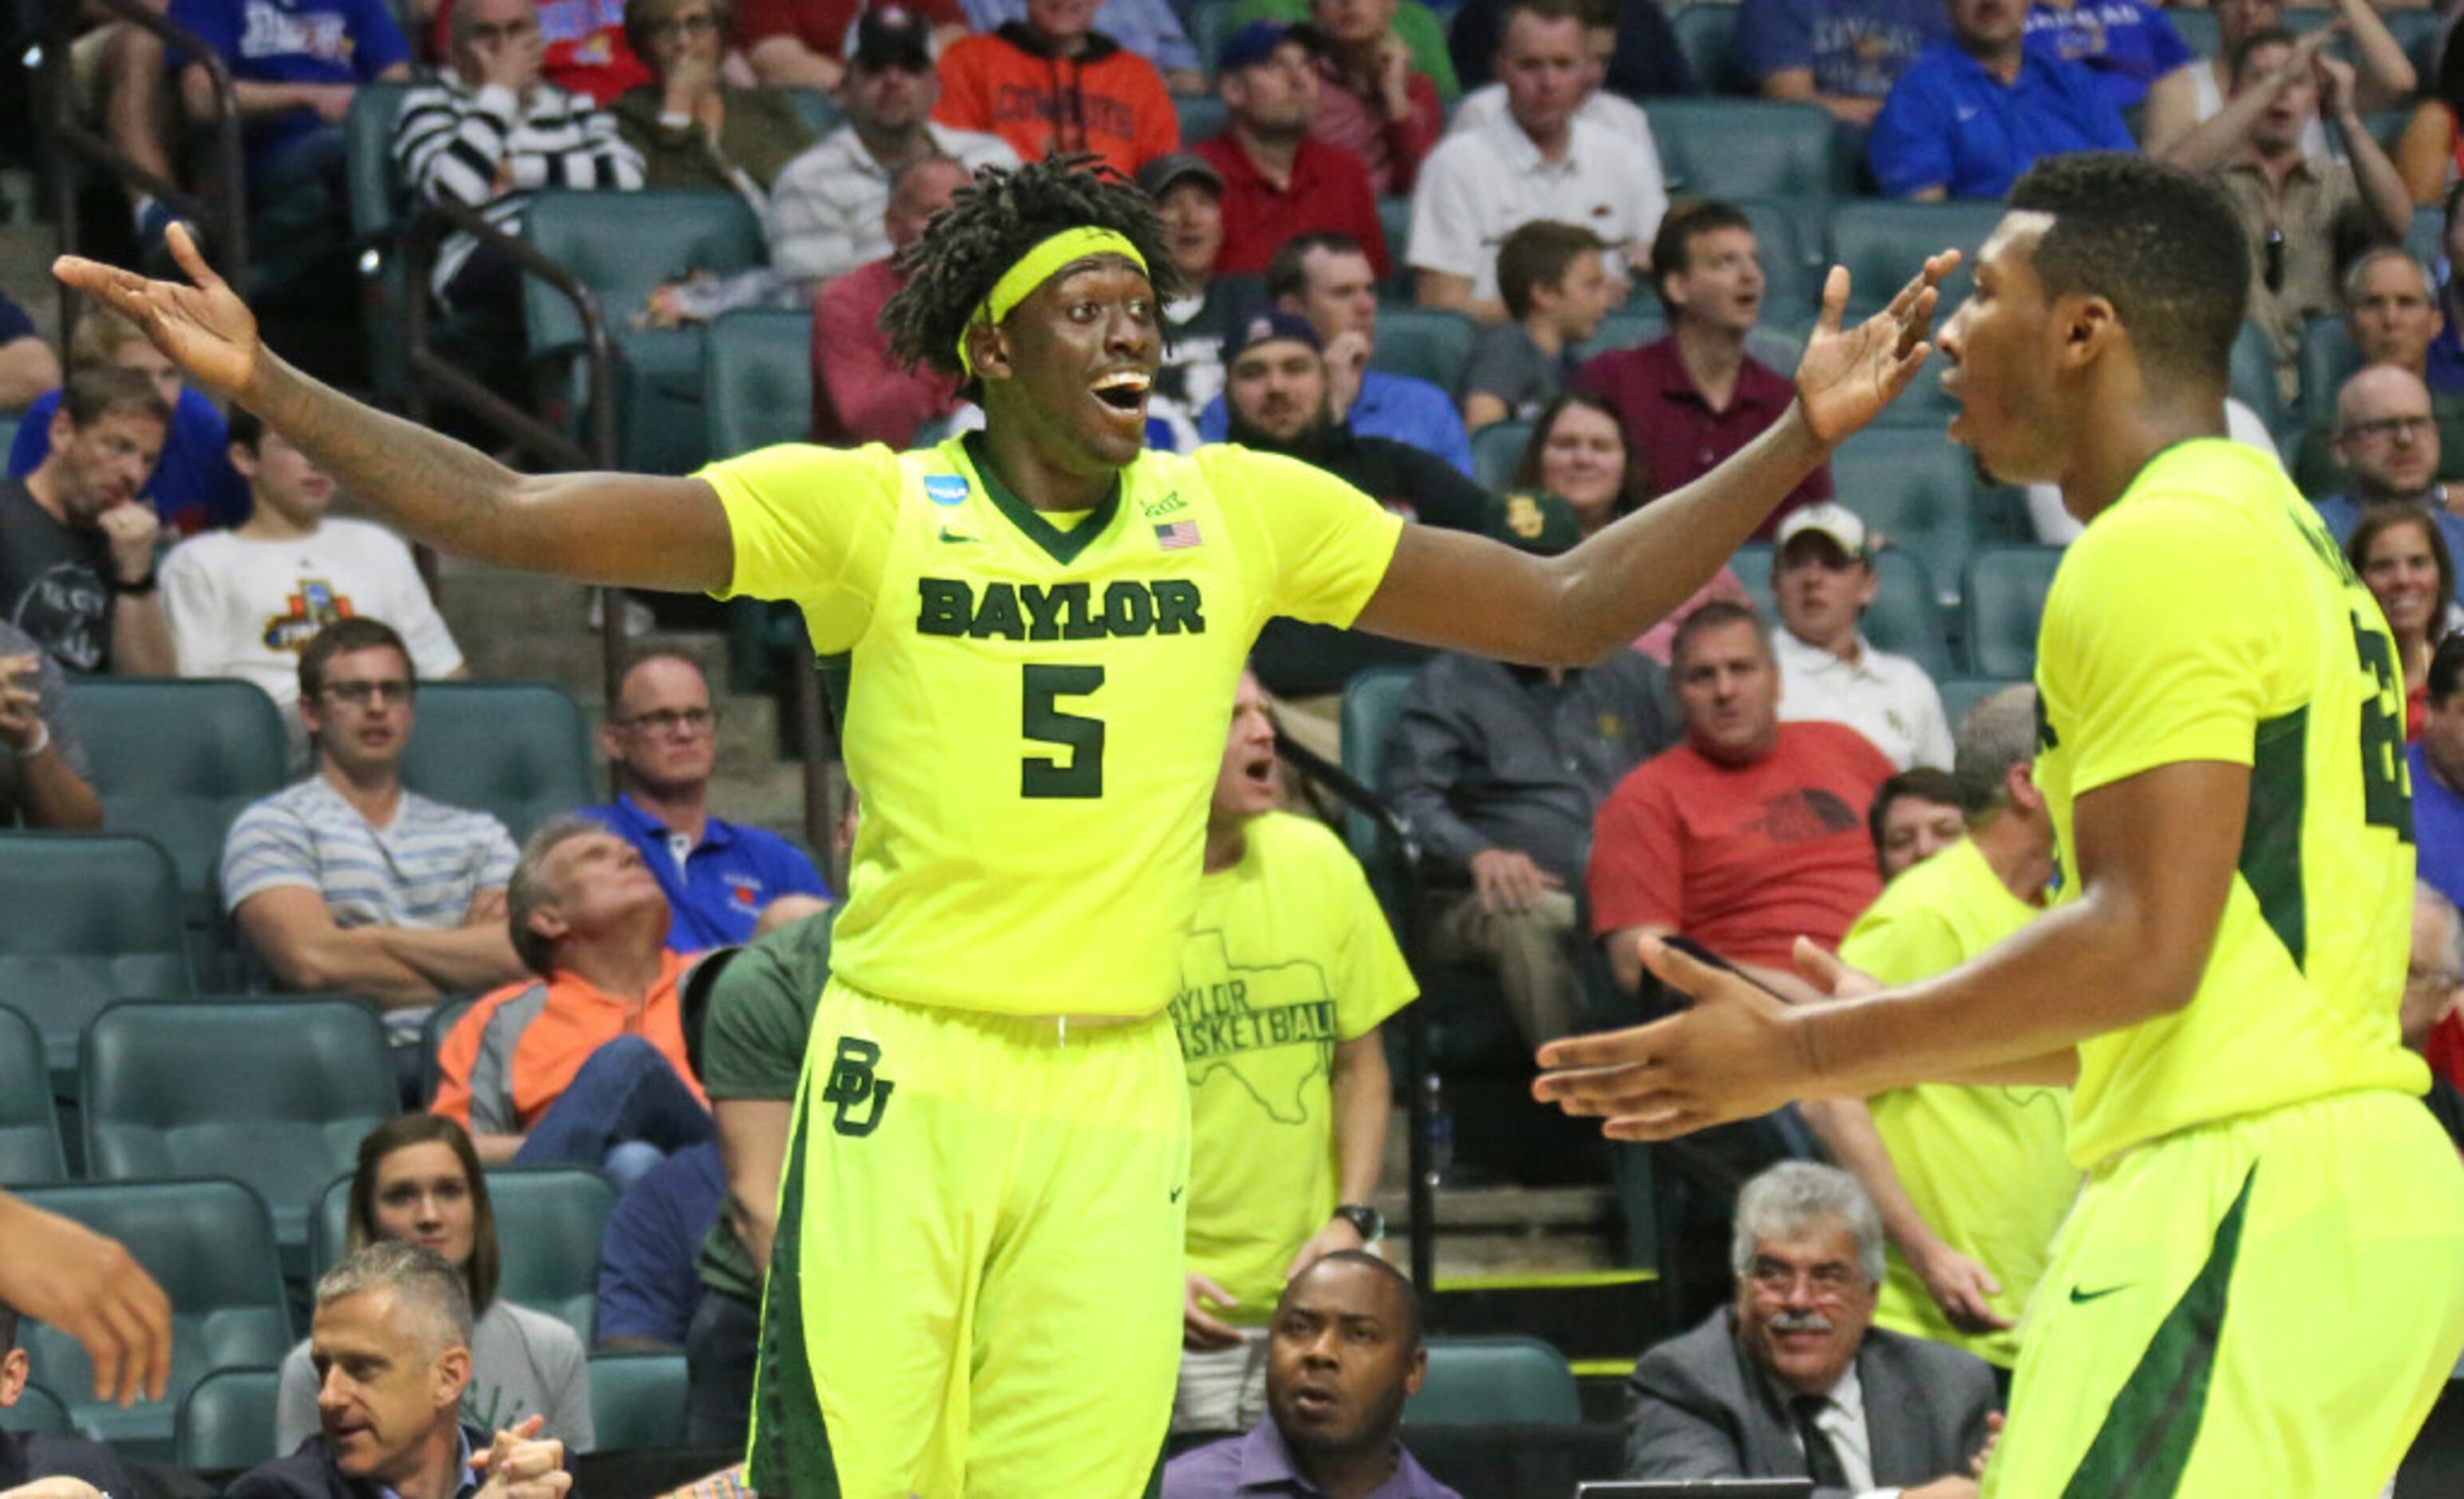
(1541, 161)
(245, 603)
(1822, 580)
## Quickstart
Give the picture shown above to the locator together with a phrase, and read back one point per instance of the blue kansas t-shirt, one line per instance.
(1858, 48)
(2126, 45)
(295, 41)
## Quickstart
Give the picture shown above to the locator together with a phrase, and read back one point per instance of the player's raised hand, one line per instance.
(1737, 1053)
(204, 328)
(1848, 375)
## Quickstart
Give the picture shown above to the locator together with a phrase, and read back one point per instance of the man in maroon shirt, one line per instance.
(1748, 835)
(1280, 181)
(1691, 399)
(860, 393)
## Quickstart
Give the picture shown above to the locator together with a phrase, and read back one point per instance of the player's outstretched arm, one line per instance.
(2157, 855)
(1467, 593)
(617, 528)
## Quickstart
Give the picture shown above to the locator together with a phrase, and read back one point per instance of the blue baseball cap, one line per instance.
(1251, 45)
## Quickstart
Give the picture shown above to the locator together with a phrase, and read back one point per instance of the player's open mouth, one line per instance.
(1260, 771)
(1124, 390)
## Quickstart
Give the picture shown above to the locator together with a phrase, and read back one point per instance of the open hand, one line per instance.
(204, 327)
(1848, 375)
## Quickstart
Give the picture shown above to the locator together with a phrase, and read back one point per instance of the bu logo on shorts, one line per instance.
(853, 1083)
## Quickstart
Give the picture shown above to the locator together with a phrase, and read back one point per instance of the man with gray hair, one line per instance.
(1793, 1380)
(586, 1062)
(1970, 1182)
(2391, 317)
(2434, 982)
(392, 1344)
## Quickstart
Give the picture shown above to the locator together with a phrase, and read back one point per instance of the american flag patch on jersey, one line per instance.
(1177, 535)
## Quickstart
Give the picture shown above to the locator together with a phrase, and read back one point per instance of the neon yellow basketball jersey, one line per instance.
(1036, 716)
(2208, 615)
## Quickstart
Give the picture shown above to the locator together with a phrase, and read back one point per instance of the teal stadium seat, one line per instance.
(30, 1130)
(432, 1031)
(2197, 30)
(40, 1413)
(10, 422)
(1792, 264)
(1495, 450)
(378, 202)
(1960, 694)
(210, 1247)
(1736, 148)
(624, 246)
(2419, 32)
(1884, 243)
(1430, 344)
(1641, 320)
(2425, 242)
(1202, 117)
(515, 749)
(1372, 702)
(1704, 34)
(2251, 377)
(815, 107)
(2328, 359)
(637, 1400)
(1913, 487)
(757, 379)
(2004, 601)
(226, 1422)
(1903, 618)
(276, 1095)
(1491, 1381)
(1394, 218)
(549, 1220)
(1752, 562)
(91, 919)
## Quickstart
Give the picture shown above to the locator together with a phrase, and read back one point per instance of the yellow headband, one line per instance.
(1036, 267)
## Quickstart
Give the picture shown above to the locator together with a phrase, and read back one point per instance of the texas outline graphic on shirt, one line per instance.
(1225, 1011)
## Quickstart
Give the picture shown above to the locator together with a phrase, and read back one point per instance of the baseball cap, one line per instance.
(1270, 327)
(1532, 521)
(1829, 518)
(1156, 177)
(891, 36)
(1250, 45)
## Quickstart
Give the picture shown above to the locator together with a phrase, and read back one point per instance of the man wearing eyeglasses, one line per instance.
(2387, 440)
(662, 736)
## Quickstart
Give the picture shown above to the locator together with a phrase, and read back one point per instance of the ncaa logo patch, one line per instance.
(945, 488)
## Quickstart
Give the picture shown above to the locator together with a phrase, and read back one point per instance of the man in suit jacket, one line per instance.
(1793, 1381)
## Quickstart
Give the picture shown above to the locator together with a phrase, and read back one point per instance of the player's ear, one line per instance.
(989, 351)
(2089, 327)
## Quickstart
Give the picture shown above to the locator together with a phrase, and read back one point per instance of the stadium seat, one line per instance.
(226, 1422)
(1883, 244)
(815, 107)
(1752, 562)
(92, 918)
(1641, 321)
(160, 1096)
(1495, 450)
(378, 201)
(210, 1247)
(432, 1031)
(1704, 31)
(1914, 488)
(1202, 117)
(2328, 359)
(10, 422)
(30, 1130)
(637, 1400)
(548, 1224)
(1430, 344)
(2004, 601)
(2418, 32)
(624, 246)
(1372, 702)
(1487, 1381)
(2425, 242)
(757, 379)
(515, 749)
(1905, 617)
(1395, 217)
(2252, 376)
(40, 1413)
(1960, 694)
(1793, 268)
(2197, 30)
(1733, 148)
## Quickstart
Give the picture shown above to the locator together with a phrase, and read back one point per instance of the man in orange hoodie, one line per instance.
(1052, 83)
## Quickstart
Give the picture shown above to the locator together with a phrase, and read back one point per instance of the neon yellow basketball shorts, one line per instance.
(2263, 1306)
(975, 1285)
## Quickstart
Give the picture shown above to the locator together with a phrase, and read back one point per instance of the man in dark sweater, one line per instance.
(25, 1457)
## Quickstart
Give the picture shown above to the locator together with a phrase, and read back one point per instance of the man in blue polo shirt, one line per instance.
(1971, 114)
(719, 876)
(2438, 773)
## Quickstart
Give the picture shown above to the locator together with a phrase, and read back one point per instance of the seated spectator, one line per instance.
(692, 129)
(1540, 162)
(1377, 97)
(1188, 194)
(245, 603)
(2437, 756)
(1748, 835)
(2433, 995)
(76, 551)
(1842, 55)
(1052, 84)
(2427, 152)
(27, 367)
(2193, 94)
(1793, 1380)
(2389, 448)
(2391, 313)
(1279, 180)
(1556, 289)
(1343, 1354)
(1500, 771)
(1823, 580)
(2295, 209)
(1646, 63)
(194, 487)
(828, 207)
(584, 46)
(1148, 27)
(29, 1458)
(2404, 561)
(583, 1064)
(2129, 46)
(392, 1344)
(1972, 113)
(490, 136)
(861, 391)
(1690, 399)
(348, 882)
(1327, 278)
(662, 738)
(418, 1182)
(1287, 930)
(1915, 815)
(647, 1291)
(1485, 107)
(1416, 25)
(811, 43)
(44, 774)
(1972, 1183)
(1579, 452)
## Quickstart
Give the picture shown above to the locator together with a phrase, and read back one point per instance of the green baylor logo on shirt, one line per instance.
(1228, 1014)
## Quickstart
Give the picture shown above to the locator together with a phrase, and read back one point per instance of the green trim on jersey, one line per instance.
(790, 1445)
(1063, 546)
(2270, 838)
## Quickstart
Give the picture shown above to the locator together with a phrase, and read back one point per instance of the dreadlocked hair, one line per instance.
(988, 227)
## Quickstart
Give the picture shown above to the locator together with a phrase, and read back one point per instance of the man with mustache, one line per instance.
(1792, 1379)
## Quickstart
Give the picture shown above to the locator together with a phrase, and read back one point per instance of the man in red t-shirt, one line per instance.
(1279, 180)
(1748, 835)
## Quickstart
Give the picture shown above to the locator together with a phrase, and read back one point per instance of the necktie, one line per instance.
(1821, 1458)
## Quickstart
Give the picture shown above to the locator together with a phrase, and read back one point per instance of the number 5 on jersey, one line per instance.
(1041, 721)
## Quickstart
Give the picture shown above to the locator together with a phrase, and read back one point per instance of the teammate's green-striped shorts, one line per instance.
(2263, 1306)
(975, 1285)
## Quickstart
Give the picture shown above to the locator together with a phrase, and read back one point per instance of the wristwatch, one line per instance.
(1365, 1220)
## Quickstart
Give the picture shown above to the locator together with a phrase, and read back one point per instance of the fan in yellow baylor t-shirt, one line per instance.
(974, 1281)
